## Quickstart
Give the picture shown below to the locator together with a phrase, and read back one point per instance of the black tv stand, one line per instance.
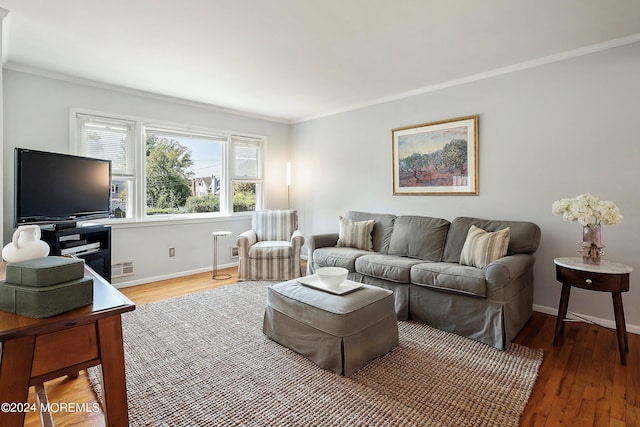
(92, 243)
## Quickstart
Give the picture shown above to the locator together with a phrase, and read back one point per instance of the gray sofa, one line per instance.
(418, 258)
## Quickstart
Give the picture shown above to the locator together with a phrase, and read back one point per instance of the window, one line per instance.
(181, 173)
(111, 139)
(247, 171)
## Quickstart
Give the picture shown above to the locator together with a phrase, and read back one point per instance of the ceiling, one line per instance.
(291, 60)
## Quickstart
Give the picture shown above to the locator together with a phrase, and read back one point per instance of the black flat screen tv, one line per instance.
(60, 189)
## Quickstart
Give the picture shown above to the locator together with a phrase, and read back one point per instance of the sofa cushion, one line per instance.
(419, 237)
(524, 237)
(382, 229)
(271, 249)
(338, 257)
(481, 248)
(388, 267)
(355, 234)
(451, 277)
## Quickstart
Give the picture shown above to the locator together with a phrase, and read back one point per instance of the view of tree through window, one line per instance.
(183, 174)
(244, 196)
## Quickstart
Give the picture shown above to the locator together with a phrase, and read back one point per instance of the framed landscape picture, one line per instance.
(436, 158)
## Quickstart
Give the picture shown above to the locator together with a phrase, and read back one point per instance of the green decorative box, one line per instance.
(45, 301)
(46, 271)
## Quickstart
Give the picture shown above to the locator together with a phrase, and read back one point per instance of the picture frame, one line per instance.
(437, 158)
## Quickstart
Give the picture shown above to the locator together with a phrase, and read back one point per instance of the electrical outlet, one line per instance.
(172, 252)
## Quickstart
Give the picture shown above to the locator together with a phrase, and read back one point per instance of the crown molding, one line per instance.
(634, 38)
(137, 92)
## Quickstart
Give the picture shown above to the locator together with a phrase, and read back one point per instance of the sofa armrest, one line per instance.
(322, 241)
(319, 241)
(503, 271)
(244, 241)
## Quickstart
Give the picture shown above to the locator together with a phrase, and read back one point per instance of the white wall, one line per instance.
(36, 114)
(548, 132)
(3, 15)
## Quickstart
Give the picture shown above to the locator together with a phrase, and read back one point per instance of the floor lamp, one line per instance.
(288, 185)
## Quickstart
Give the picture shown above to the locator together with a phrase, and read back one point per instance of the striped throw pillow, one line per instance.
(481, 247)
(355, 234)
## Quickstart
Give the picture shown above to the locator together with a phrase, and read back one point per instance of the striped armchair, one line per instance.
(271, 249)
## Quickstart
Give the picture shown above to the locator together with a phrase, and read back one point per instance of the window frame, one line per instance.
(241, 140)
(137, 198)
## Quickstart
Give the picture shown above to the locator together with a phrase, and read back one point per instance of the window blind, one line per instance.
(246, 158)
(170, 133)
(108, 139)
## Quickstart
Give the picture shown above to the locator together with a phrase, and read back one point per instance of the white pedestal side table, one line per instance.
(215, 235)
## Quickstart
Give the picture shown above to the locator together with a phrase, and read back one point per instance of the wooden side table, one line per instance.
(606, 277)
(38, 350)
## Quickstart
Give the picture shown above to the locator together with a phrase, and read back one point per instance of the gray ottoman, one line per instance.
(340, 333)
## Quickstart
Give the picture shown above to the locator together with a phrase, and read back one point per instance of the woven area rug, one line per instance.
(202, 360)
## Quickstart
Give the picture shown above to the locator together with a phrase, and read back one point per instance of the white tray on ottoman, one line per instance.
(343, 288)
(340, 333)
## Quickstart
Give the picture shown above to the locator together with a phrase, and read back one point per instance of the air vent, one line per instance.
(234, 252)
(120, 269)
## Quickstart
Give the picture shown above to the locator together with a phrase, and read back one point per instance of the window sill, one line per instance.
(170, 221)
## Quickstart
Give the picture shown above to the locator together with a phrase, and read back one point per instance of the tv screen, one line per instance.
(55, 188)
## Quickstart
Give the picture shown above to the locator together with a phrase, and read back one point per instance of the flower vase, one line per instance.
(591, 246)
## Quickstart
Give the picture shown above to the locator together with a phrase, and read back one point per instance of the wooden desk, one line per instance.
(606, 277)
(38, 350)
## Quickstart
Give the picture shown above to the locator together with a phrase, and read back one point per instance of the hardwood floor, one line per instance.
(581, 381)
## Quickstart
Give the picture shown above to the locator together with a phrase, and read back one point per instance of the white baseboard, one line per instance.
(635, 329)
(171, 276)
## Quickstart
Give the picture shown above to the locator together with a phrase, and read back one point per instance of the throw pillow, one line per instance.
(355, 234)
(419, 237)
(481, 247)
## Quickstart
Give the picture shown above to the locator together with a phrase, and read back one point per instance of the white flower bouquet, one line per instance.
(586, 207)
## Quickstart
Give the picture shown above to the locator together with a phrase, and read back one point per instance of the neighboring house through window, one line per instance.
(160, 170)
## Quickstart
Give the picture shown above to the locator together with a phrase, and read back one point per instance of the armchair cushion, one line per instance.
(271, 249)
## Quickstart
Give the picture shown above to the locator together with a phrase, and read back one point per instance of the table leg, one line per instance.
(215, 256)
(216, 275)
(46, 419)
(15, 375)
(114, 387)
(621, 327)
(562, 312)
